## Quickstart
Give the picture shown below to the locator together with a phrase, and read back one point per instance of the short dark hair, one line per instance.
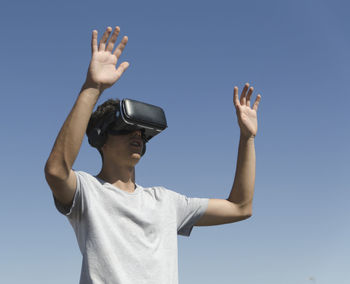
(102, 111)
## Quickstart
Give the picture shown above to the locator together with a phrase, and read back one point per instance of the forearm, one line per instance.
(70, 137)
(243, 187)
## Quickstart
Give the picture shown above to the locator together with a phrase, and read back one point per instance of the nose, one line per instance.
(137, 132)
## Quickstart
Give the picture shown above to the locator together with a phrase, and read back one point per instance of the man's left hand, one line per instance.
(247, 116)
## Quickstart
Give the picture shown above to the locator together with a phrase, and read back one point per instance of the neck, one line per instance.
(122, 177)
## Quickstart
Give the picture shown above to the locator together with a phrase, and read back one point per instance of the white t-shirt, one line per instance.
(129, 238)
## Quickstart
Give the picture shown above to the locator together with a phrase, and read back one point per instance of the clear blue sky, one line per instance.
(187, 56)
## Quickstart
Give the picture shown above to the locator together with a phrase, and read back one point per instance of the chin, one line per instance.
(135, 157)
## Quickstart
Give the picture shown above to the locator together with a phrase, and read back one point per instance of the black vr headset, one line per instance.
(132, 115)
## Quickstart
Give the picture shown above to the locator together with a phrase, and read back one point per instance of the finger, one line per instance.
(243, 94)
(250, 92)
(104, 39)
(122, 67)
(118, 51)
(94, 41)
(235, 96)
(113, 39)
(256, 103)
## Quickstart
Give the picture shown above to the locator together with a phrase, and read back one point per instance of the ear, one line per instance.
(106, 143)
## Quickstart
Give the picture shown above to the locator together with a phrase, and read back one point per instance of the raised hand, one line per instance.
(102, 71)
(247, 116)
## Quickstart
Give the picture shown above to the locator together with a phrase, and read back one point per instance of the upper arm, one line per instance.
(62, 188)
(223, 211)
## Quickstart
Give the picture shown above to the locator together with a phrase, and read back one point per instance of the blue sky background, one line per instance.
(187, 56)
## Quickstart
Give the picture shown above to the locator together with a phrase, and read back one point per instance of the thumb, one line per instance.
(122, 67)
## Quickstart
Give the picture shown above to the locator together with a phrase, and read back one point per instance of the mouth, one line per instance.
(136, 143)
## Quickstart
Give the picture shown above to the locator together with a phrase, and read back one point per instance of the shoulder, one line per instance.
(168, 193)
(159, 192)
(83, 174)
(86, 180)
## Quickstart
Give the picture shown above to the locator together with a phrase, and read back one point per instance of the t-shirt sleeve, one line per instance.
(75, 211)
(188, 211)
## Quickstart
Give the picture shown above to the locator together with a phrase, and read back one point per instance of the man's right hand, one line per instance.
(101, 75)
(102, 72)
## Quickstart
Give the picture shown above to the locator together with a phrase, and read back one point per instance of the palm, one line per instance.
(247, 120)
(247, 116)
(102, 70)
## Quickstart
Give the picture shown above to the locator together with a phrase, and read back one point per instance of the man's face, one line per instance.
(125, 149)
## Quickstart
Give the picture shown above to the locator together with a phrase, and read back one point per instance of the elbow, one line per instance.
(249, 215)
(247, 212)
(49, 170)
(55, 172)
(246, 215)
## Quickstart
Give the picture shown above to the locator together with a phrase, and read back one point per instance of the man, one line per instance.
(127, 233)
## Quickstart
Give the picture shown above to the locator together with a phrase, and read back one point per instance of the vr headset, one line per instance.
(132, 115)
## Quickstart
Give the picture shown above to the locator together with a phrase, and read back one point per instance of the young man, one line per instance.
(127, 234)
